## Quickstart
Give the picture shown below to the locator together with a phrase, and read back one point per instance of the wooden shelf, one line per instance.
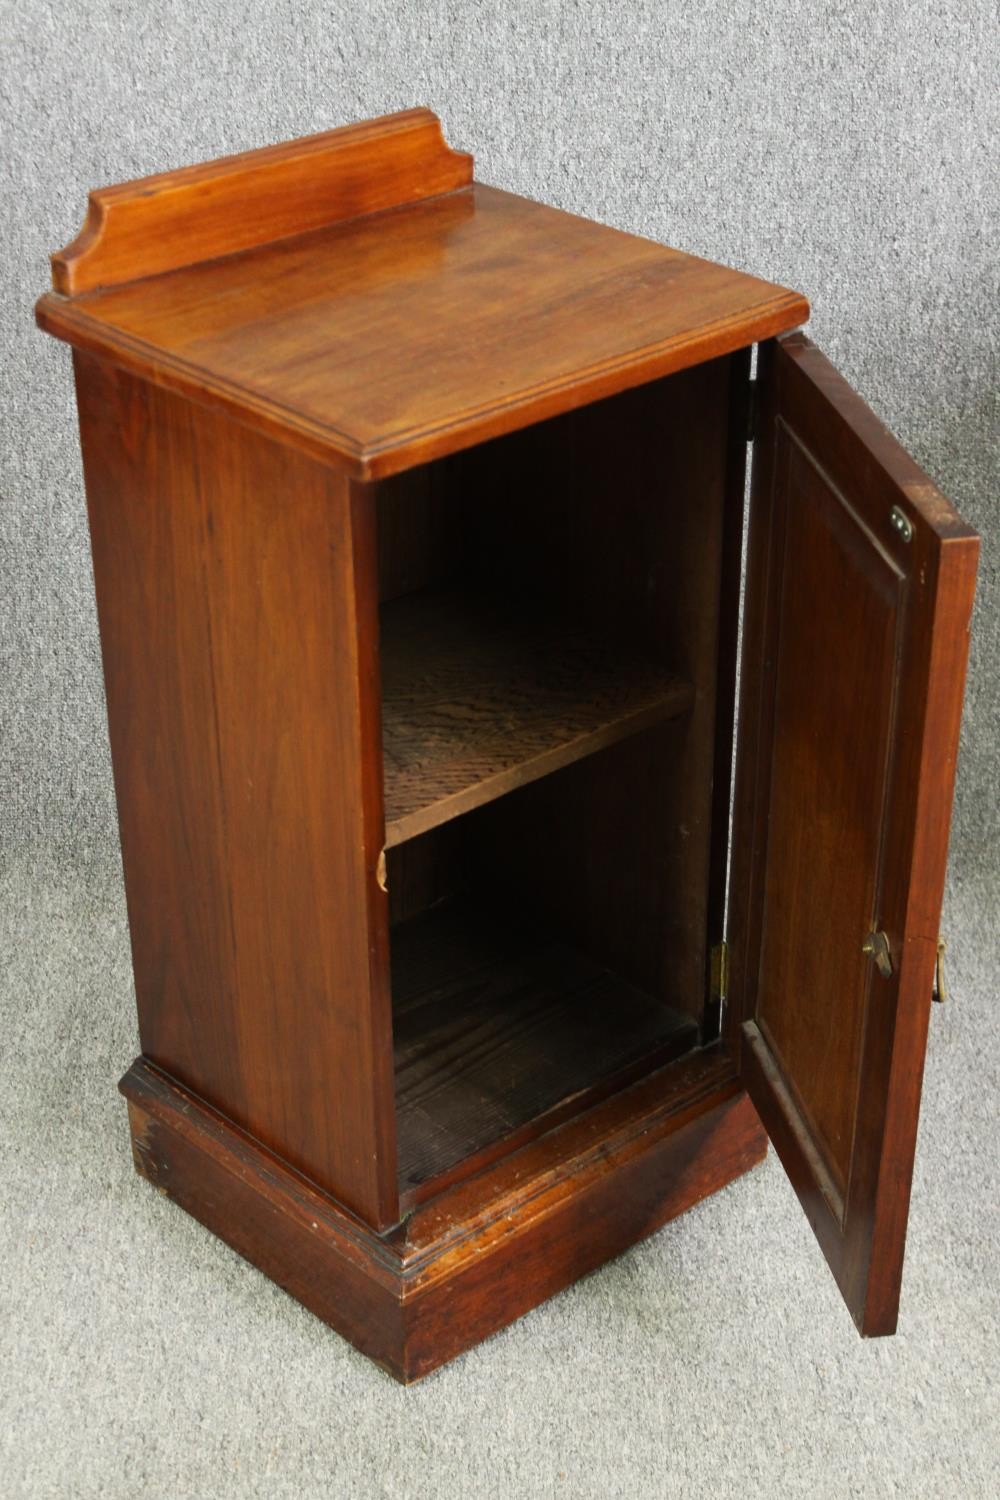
(481, 695)
(501, 1030)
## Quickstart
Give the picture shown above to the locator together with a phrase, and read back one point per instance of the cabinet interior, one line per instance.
(553, 674)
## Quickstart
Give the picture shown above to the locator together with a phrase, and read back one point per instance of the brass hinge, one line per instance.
(753, 402)
(719, 971)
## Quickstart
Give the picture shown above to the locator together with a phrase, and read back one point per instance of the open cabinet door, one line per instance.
(860, 581)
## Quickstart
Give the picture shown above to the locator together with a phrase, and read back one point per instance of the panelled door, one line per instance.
(859, 590)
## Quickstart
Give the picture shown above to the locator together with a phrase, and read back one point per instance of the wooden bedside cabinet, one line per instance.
(417, 513)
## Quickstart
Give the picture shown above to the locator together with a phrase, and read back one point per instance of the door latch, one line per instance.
(940, 990)
(876, 946)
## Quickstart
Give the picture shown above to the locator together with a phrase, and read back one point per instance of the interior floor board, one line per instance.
(497, 1024)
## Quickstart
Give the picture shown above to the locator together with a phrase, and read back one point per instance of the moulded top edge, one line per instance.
(388, 340)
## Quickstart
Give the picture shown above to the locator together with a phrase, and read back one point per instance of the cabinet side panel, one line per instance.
(236, 594)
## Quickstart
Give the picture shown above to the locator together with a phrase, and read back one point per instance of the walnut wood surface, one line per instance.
(393, 338)
(481, 694)
(354, 299)
(496, 1024)
(238, 633)
(854, 662)
(199, 213)
(478, 1256)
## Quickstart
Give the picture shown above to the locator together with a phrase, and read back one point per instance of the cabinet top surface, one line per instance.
(401, 334)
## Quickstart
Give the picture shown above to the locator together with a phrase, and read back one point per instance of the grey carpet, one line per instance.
(142, 1358)
(847, 149)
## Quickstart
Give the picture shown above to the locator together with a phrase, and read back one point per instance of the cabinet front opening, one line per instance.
(549, 646)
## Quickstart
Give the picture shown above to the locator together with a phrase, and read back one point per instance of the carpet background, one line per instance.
(845, 148)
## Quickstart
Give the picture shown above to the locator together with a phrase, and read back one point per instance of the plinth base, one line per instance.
(475, 1257)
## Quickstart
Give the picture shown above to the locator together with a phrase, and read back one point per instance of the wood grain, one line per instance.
(478, 1256)
(236, 595)
(481, 694)
(199, 213)
(391, 339)
(497, 1024)
(854, 661)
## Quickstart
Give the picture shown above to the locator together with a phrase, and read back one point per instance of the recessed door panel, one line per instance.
(859, 591)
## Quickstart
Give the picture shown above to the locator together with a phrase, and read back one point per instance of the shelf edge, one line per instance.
(676, 700)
